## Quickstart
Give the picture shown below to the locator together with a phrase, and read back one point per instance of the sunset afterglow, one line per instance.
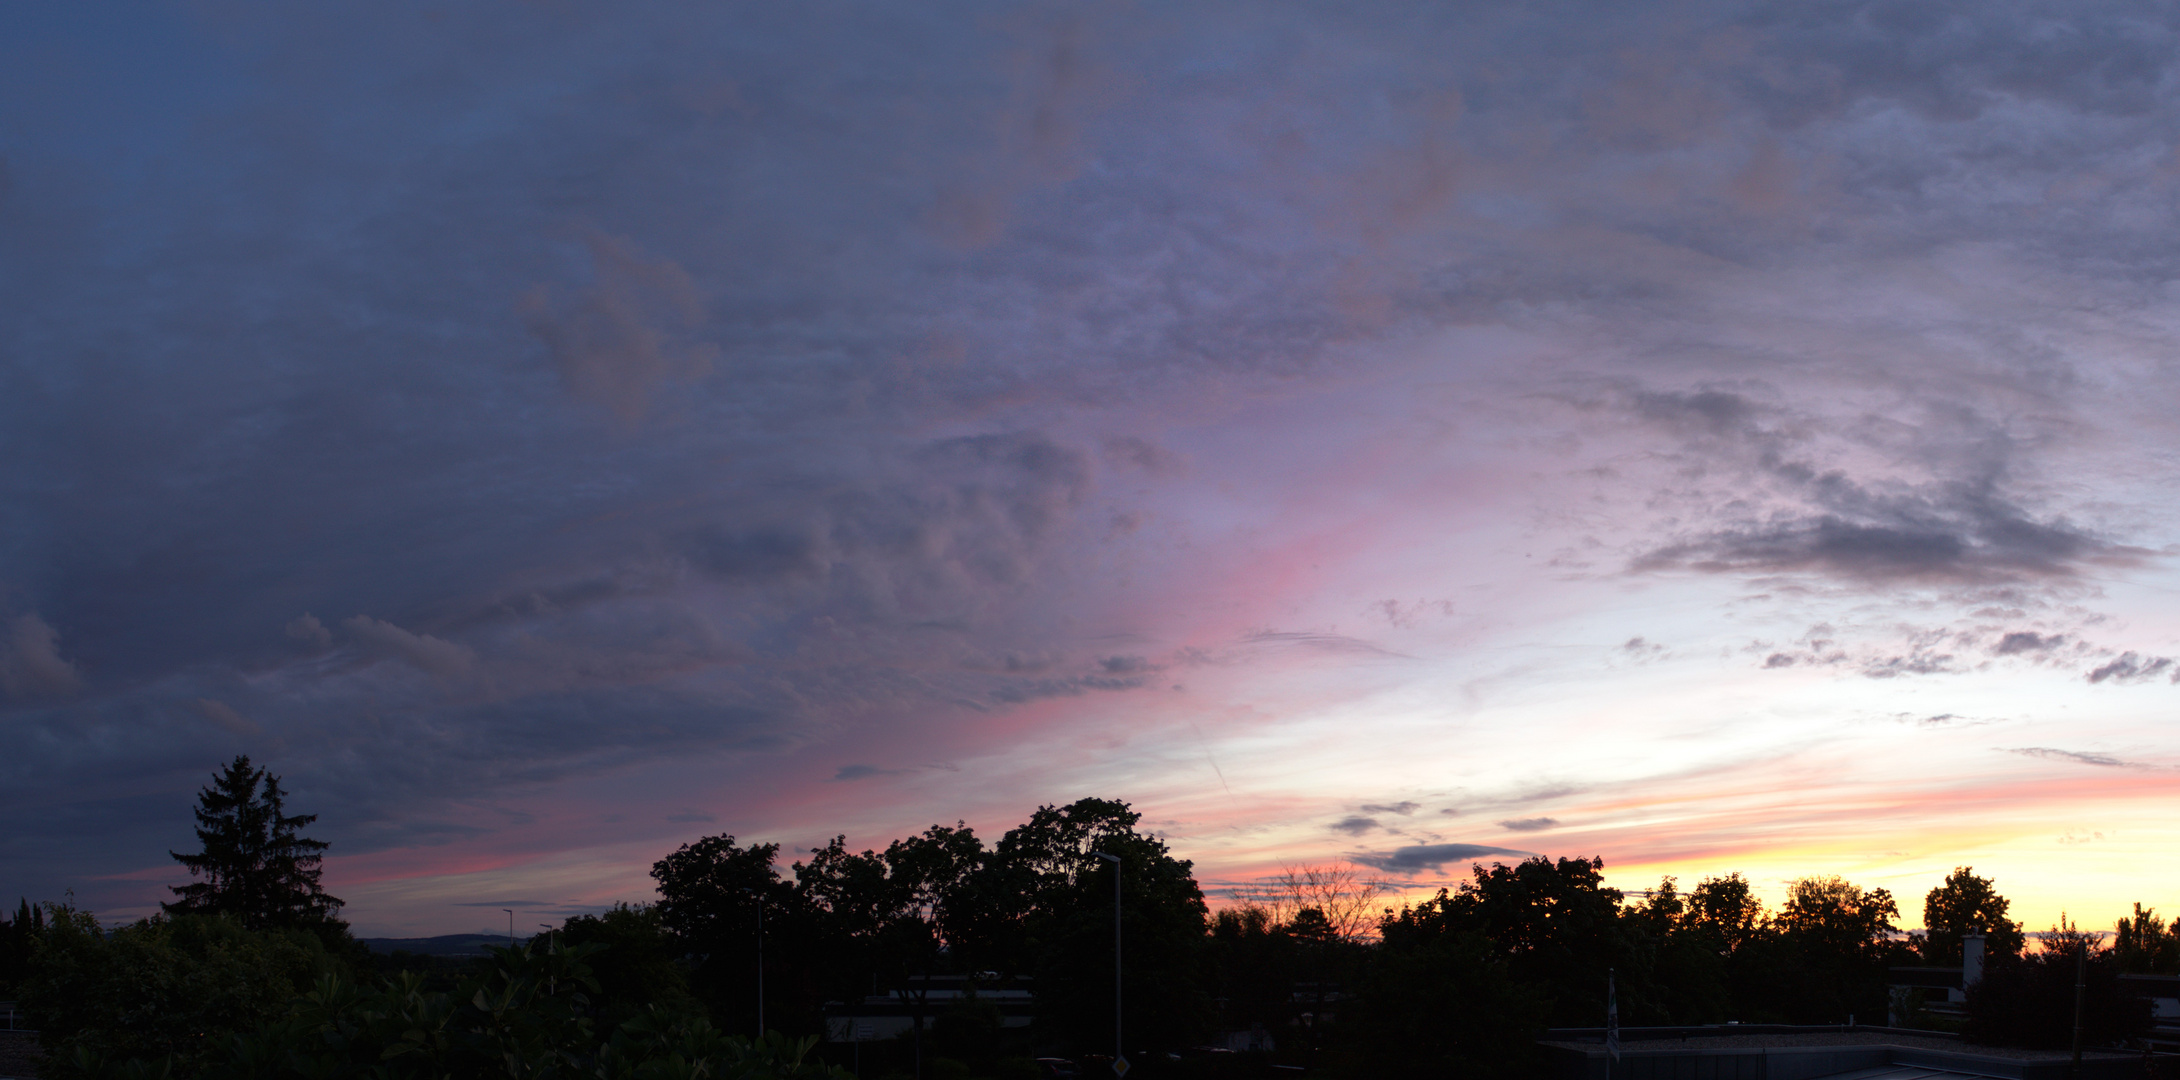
(1717, 438)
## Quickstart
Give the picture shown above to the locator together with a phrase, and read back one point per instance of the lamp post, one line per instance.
(760, 898)
(552, 984)
(2081, 975)
(510, 926)
(1120, 1059)
(760, 966)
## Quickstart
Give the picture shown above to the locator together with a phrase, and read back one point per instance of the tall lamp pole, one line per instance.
(1120, 1058)
(510, 926)
(760, 966)
(760, 898)
(2081, 974)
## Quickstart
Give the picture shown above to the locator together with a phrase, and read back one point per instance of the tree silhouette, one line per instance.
(1554, 924)
(1836, 917)
(1342, 897)
(723, 901)
(256, 867)
(1723, 910)
(2143, 945)
(1964, 903)
(15, 939)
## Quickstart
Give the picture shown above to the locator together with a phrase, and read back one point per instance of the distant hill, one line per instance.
(443, 945)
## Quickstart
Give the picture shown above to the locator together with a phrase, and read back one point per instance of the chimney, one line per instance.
(1971, 958)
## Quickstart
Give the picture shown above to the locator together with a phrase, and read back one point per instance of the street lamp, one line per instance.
(1120, 1059)
(760, 898)
(552, 985)
(510, 926)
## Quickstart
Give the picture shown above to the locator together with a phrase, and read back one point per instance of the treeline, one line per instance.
(256, 977)
(1036, 907)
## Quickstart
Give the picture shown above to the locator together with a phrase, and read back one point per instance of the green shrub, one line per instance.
(528, 1015)
(176, 987)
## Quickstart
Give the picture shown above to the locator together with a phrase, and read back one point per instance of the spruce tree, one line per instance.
(15, 939)
(256, 867)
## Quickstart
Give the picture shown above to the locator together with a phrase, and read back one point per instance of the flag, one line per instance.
(1612, 1017)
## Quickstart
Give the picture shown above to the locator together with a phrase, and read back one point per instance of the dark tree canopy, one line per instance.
(1833, 915)
(15, 937)
(1723, 910)
(1037, 905)
(2143, 945)
(710, 890)
(1060, 897)
(1554, 924)
(1963, 903)
(1459, 986)
(256, 867)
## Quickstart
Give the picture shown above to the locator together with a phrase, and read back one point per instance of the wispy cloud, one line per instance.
(2077, 757)
(31, 665)
(1534, 824)
(1323, 642)
(865, 772)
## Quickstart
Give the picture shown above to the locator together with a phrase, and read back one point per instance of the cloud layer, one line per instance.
(543, 434)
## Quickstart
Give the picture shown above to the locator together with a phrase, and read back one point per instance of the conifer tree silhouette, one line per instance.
(255, 866)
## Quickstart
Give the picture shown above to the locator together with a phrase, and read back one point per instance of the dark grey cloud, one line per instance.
(1420, 857)
(1534, 824)
(1955, 524)
(1945, 63)
(1141, 455)
(1898, 650)
(1945, 535)
(2130, 667)
(1404, 808)
(865, 772)
(1973, 542)
(1543, 792)
(2028, 641)
(1917, 662)
(1354, 825)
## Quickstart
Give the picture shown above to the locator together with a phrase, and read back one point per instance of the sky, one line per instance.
(1712, 437)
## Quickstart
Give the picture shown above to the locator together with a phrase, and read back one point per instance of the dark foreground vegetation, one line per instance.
(251, 974)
